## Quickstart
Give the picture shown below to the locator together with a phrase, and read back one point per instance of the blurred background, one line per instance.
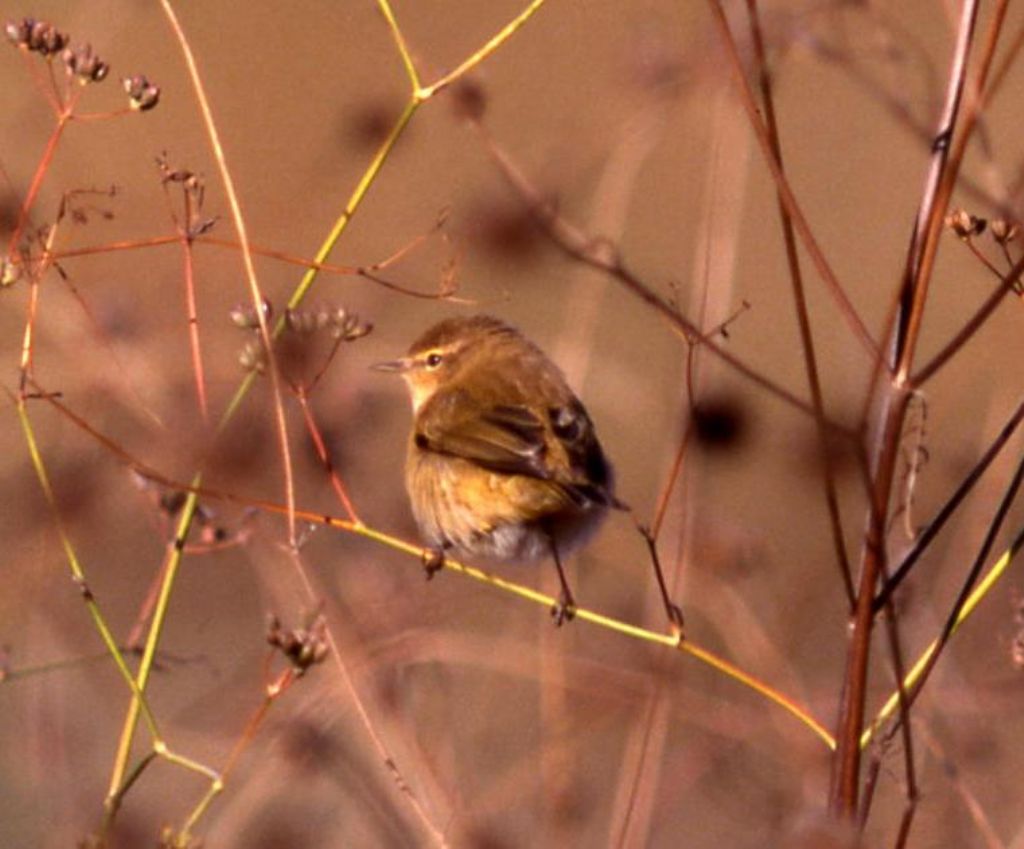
(506, 731)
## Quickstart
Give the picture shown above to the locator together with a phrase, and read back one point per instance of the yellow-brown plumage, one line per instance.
(503, 460)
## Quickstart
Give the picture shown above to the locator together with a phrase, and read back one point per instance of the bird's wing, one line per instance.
(514, 439)
(506, 438)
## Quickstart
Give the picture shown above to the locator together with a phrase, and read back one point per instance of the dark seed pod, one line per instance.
(83, 63)
(141, 92)
(46, 39)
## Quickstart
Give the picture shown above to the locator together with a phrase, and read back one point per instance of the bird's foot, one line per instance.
(563, 610)
(433, 561)
(675, 619)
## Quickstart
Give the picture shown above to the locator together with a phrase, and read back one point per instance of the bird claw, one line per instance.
(675, 618)
(433, 561)
(562, 611)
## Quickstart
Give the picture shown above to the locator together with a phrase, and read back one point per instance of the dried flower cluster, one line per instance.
(36, 36)
(83, 63)
(337, 322)
(193, 195)
(9, 273)
(303, 647)
(246, 317)
(966, 226)
(253, 357)
(142, 94)
(80, 62)
(1003, 231)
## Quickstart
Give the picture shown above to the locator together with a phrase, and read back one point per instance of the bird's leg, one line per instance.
(672, 610)
(433, 561)
(565, 609)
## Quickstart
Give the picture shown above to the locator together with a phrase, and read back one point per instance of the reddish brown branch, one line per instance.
(843, 797)
(802, 314)
(604, 256)
(786, 196)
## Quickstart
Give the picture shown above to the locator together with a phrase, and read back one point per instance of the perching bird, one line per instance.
(503, 460)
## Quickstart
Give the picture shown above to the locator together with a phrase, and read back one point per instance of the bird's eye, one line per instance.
(433, 360)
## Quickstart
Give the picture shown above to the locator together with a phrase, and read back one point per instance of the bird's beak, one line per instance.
(399, 366)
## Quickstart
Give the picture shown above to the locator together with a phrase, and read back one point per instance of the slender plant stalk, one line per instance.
(802, 314)
(843, 797)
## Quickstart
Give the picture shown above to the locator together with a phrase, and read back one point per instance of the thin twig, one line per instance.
(803, 317)
(255, 291)
(785, 193)
(967, 588)
(416, 551)
(949, 508)
(604, 256)
(971, 326)
(846, 764)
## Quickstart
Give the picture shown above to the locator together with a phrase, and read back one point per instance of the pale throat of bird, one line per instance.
(419, 392)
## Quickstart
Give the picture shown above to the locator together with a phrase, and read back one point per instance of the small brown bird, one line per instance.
(503, 459)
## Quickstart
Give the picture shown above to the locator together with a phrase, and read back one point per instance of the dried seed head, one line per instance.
(201, 227)
(303, 647)
(338, 321)
(253, 357)
(245, 315)
(1003, 230)
(303, 320)
(47, 39)
(17, 31)
(141, 92)
(37, 36)
(83, 63)
(347, 326)
(9, 273)
(965, 225)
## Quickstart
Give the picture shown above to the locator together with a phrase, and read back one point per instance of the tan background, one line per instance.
(508, 732)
